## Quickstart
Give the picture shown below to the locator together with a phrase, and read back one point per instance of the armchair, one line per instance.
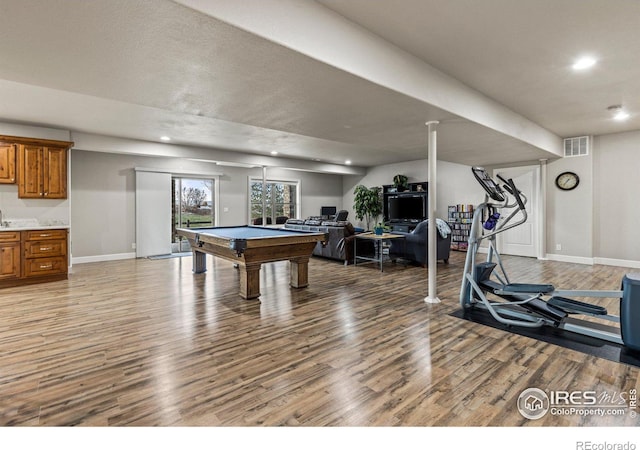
(342, 215)
(414, 247)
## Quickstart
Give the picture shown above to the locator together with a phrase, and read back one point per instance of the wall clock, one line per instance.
(567, 181)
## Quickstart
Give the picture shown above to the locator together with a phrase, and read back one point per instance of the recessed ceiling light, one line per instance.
(584, 63)
(274, 152)
(618, 113)
(621, 115)
(165, 138)
(347, 162)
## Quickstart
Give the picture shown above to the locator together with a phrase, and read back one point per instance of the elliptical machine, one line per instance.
(535, 305)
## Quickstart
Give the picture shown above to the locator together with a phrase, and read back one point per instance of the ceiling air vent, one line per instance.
(576, 146)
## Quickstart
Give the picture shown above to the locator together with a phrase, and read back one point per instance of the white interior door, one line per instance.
(522, 240)
(153, 213)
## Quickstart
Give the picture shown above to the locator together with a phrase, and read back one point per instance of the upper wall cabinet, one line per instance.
(42, 172)
(7, 163)
(41, 166)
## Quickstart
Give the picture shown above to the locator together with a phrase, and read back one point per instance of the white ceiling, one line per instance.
(146, 68)
(520, 52)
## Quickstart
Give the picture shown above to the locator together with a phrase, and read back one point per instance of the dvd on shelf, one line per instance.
(460, 218)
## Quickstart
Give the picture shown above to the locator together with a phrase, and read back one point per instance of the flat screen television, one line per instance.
(328, 211)
(407, 208)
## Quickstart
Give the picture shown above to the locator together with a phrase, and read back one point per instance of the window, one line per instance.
(280, 200)
(192, 204)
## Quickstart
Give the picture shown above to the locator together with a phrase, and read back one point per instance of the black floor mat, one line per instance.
(559, 337)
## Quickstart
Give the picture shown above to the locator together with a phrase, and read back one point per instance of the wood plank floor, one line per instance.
(148, 343)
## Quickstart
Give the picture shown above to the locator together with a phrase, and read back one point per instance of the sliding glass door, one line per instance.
(192, 207)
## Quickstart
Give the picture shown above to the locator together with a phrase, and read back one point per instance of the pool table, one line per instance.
(249, 247)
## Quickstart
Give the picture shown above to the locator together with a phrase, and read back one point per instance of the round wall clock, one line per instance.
(567, 181)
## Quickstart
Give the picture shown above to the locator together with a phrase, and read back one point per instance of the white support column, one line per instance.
(264, 196)
(432, 240)
(542, 211)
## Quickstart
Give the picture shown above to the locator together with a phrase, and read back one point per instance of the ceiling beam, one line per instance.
(320, 33)
(110, 144)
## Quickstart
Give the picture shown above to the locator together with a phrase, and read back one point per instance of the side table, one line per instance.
(379, 241)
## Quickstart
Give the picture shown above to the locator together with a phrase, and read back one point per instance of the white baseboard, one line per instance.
(584, 260)
(617, 262)
(570, 259)
(100, 258)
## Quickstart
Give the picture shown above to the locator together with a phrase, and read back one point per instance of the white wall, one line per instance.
(456, 184)
(103, 197)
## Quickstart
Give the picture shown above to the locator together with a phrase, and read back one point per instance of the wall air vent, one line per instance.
(576, 146)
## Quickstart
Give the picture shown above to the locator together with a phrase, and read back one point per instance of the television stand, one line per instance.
(404, 210)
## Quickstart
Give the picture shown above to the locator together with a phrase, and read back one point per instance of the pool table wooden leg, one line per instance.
(250, 280)
(299, 270)
(199, 262)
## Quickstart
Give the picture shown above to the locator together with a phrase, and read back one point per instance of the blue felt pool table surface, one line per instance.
(246, 232)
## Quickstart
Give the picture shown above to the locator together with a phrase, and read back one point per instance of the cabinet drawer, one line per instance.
(38, 235)
(45, 266)
(9, 236)
(39, 249)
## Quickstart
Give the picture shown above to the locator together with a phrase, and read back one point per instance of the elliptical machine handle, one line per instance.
(510, 187)
(516, 193)
(505, 185)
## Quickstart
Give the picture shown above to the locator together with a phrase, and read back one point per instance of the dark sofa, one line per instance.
(414, 247)
(341, 237)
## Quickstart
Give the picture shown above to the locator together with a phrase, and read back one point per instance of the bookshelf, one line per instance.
(460, 218)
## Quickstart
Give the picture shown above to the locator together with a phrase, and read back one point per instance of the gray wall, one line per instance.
(570, 213)
(102, 197)
(616, 197)
(596, 221)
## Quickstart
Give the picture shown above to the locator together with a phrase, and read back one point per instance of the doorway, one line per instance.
(523, 240)
(192, 206)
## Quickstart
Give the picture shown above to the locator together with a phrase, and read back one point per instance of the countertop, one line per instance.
(31, 224)
(34, 227)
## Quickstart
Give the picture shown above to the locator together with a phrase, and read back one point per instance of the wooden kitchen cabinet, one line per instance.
(39, 166)
(42, 171)
(7, 163)
(45, 253)
(33, 256)
(9, 255)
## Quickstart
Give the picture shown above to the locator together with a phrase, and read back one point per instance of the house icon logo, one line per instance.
(533, 403)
